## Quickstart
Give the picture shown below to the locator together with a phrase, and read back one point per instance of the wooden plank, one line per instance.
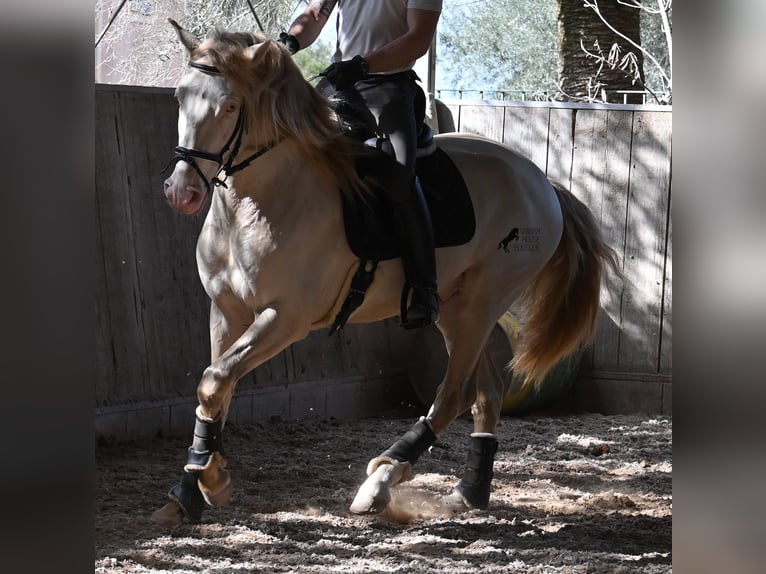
(615, 397)
(173, 306)
(558, 165)
(105, 356)
(600, 176)
(118, 305)
(666, 342)
(105, 353)
(526, 131)
(611, 214)
(318, 357)
(485, 121)
(367, 350)
(645, 242)
(589, 139)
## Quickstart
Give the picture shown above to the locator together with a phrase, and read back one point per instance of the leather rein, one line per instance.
(228, 167)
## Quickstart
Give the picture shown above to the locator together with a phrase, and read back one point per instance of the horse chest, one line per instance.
(237, 259)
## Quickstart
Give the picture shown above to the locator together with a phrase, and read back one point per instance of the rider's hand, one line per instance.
(346, 73)
(290, 41)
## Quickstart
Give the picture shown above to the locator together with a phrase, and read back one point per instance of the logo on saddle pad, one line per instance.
(525, 238)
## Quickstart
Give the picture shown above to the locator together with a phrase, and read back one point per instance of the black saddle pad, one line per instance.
(368, 221)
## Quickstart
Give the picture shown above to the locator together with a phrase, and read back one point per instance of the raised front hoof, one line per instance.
(169, 516)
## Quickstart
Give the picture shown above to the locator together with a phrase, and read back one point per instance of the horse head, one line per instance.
(228, 74)
(242, 95)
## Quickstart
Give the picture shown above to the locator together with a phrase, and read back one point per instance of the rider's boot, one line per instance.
(416, 238)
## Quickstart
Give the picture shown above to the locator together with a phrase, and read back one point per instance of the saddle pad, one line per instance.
(368, 220)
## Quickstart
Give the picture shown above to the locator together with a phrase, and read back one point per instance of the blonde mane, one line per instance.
(280, 103)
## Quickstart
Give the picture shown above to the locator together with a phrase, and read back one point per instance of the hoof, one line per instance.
(169, 515)
(455, 502)
(219, 498)
(375, 494)
(370, 501)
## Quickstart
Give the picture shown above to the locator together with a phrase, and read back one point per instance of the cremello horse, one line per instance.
(265, 147)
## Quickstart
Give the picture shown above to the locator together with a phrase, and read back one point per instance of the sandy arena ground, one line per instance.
(571, 494)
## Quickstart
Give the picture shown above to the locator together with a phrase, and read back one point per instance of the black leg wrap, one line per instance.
(412, 444)
(188, 496)
(207, 440)
(477, 478)
(207, 436)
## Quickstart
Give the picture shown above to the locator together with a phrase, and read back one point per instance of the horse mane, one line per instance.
(273, 88)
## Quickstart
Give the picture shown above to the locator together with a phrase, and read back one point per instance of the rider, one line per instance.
(378, 43)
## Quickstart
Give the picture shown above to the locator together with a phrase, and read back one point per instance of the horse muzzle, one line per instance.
(185, 198)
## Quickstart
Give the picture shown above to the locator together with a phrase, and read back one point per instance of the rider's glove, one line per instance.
(290, 41)
(344, 74)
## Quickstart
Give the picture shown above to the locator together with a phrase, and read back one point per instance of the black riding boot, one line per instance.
(416, 238)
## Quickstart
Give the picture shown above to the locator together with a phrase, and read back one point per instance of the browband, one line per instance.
(206, 68)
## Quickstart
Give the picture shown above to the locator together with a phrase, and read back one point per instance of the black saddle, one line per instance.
(368, 218)
(368, 221)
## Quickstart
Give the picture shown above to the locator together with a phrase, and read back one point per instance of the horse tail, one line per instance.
(561, 305)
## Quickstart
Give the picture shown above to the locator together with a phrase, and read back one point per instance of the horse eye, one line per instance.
(230, 107)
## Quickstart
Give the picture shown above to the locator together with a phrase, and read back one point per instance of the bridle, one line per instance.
(234, 142)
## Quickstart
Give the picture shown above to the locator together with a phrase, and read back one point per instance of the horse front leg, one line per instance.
(206, 480)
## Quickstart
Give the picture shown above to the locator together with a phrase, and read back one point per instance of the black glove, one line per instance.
(342, 75)
(290, 41)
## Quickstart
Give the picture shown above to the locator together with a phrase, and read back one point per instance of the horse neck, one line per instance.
(277, 182)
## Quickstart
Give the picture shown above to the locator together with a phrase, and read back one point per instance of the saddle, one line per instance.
(368, 220)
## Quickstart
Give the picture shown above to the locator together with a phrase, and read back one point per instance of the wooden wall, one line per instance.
(617, 159)
(151, 311)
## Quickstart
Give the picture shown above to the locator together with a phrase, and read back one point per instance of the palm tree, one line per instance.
(597, 42)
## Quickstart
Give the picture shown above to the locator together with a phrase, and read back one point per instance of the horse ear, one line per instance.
(189, 41)
(256, 50)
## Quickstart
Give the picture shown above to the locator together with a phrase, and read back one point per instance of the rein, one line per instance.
(228, 167)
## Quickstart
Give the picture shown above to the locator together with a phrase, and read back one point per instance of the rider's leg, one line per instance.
(415, 233)
(392, 103)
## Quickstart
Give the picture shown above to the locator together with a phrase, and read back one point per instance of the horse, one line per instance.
(265, 149)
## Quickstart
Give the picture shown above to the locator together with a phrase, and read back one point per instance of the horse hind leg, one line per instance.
(391, 467)
(473, 490)
(483, 392)
(455, 395)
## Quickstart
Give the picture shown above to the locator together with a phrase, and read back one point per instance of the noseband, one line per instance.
(228, 167)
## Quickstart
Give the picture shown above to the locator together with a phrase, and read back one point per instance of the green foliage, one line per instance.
(511, 45)
(313, 59)
(504, 44)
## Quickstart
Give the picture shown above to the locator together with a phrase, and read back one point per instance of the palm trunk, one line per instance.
(585, 78)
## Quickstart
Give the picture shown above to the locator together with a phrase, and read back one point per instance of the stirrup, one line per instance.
(420, 313)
